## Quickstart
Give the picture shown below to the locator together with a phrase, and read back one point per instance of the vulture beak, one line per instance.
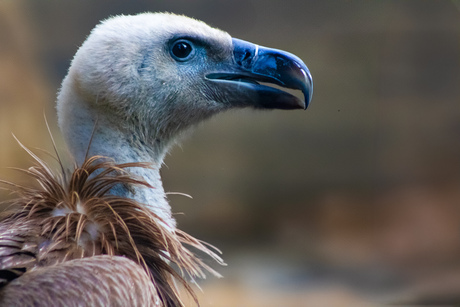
(252, 64)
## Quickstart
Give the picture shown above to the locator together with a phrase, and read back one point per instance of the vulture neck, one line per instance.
(90, 131)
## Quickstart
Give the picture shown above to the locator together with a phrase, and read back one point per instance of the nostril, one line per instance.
(244, 58)
(247, 54)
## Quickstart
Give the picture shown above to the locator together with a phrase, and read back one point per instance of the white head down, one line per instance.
(138, 81)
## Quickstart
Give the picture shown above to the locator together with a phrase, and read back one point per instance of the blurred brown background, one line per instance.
(355, 202)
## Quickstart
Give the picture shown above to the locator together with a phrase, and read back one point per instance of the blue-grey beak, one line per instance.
(253, 64)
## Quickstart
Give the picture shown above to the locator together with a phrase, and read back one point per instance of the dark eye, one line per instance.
(181, 50)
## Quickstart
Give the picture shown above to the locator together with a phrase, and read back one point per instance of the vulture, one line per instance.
(100, 232)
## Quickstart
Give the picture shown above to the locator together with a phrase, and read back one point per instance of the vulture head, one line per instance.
(153, 75)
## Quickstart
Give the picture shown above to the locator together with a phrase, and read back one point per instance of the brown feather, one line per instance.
(84, 282)
(62, 220)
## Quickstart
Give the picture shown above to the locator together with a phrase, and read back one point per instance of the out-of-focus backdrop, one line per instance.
(354, 202)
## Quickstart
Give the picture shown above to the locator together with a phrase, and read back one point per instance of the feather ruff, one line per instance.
(72, 215)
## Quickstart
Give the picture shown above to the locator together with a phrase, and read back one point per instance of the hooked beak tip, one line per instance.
(307, 87)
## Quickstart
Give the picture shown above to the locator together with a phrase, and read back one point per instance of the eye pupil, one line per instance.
(181, 50)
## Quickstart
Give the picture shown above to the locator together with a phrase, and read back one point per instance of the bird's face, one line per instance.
(169, 72)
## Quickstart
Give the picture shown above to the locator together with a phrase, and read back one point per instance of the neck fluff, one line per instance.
(90, 130)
